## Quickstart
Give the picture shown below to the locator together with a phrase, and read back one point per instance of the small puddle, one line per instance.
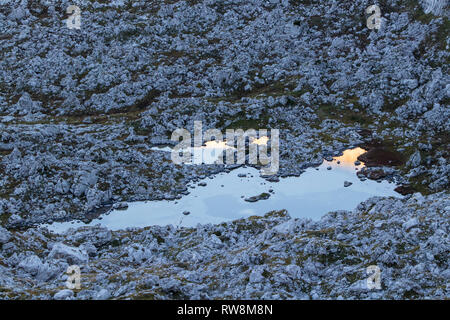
(228, 196)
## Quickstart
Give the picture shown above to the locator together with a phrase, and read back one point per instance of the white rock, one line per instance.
(294, 271)
(70, 254)
(256, 276)
(411, 223)
(5, 235)
(414, 160)
(31, 265)
(103, 294)
(120, 206)
(63, 294)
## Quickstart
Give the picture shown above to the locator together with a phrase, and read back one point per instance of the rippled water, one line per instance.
(311, 195)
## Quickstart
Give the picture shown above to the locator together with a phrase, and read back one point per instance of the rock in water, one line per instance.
(120, 206)
(262, 196)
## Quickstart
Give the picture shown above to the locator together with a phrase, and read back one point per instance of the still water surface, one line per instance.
(311, 195)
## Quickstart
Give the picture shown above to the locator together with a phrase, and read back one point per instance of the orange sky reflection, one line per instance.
(348, 158)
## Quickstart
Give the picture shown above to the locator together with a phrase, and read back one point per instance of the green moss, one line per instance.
(116, 243)
(324, 233)
(417, 12)
(246, 124)
(144, 296)
(159, 239)
(347, 116)
(410, 294)
(266, 274)
(353, 277)
(317, 21)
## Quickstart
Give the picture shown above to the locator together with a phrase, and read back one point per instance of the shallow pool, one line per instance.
(311, 195)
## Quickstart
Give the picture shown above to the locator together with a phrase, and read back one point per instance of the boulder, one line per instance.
(5, 235)
(70, 254)
(63, 294)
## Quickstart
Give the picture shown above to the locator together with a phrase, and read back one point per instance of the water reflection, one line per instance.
(348, 159)
(261, 141)
(311, 195)
(211, 151)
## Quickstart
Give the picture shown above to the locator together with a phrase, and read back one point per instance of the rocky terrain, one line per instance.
(81, 110)
(270, 257)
